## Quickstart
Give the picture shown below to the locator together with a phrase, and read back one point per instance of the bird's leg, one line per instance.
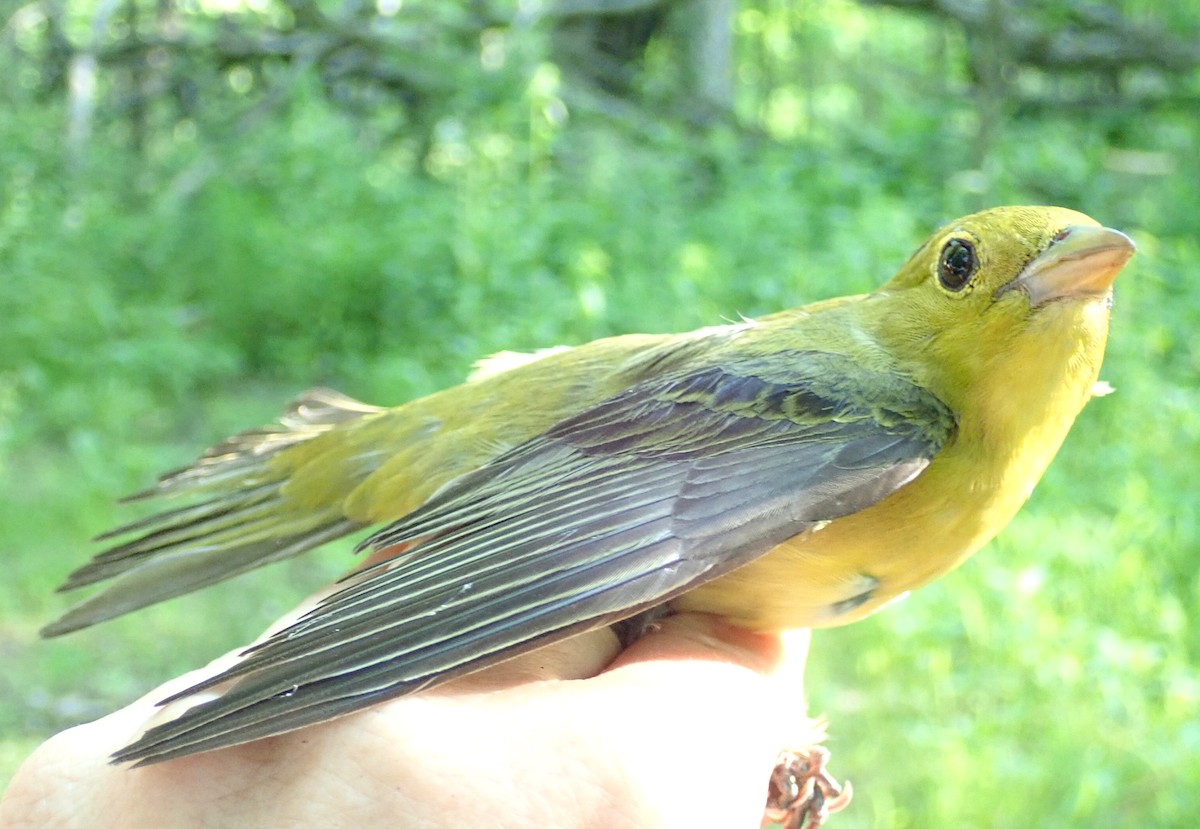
(800, 787)
(635, 627)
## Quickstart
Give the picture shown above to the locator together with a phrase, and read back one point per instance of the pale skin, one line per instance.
(679, 730)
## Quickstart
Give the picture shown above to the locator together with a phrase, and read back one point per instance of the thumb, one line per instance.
(696, 712)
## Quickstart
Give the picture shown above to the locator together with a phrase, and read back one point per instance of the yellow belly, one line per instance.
(856, 564)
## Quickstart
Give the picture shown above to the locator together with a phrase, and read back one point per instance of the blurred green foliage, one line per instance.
(154, 301)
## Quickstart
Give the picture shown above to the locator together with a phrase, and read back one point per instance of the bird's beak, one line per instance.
(1082, 261)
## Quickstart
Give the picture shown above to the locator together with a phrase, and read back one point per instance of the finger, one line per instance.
(579, 657)
(694, 728)
(682, 636)
(770, 706)
(706, 637)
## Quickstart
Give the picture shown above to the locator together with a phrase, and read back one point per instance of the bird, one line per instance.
(798, 470)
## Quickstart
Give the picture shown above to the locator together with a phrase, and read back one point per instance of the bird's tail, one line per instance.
(242, 518)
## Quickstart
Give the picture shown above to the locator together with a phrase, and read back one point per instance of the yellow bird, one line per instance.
(798, 470)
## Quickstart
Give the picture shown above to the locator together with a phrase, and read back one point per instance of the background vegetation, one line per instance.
(207, 206)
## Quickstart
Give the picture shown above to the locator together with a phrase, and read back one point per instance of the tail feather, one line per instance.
(245, 520)
(153, 523)
(221, 523)
(241, 457)
(182, 571)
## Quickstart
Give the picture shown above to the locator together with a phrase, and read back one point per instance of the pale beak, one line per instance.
(1082, 261)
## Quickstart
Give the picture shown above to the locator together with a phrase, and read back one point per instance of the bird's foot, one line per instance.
(801, 788)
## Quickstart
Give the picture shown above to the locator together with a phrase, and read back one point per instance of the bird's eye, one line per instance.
(957, 264)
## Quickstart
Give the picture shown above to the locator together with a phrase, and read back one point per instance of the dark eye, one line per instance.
(957, 264)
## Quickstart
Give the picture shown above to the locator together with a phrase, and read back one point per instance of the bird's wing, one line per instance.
(615, 510)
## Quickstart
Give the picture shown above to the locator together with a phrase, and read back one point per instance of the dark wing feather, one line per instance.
(618, 509)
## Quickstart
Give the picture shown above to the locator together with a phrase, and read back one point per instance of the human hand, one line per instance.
(681, 729)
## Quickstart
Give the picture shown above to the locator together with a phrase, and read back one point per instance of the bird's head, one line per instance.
(1045, 253)
(1012, 295)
